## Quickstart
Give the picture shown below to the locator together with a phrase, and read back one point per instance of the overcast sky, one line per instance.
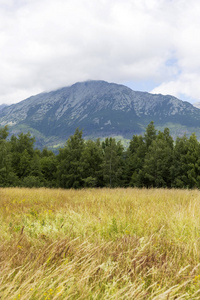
(148, 45)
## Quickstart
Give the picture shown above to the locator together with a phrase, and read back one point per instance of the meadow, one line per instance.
(99, 244)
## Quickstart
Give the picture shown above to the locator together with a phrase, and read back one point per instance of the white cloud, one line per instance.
(185, 86)
(48, 44)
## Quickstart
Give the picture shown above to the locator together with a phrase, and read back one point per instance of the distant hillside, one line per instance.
(2, 106)
(99, 108)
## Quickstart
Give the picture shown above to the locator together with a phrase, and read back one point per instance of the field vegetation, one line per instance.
(99, 244)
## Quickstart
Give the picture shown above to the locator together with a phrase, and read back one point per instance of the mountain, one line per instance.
(2, 106)
(99, 108)
(197, 104)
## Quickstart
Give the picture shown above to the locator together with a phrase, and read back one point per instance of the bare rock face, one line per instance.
(100, 109)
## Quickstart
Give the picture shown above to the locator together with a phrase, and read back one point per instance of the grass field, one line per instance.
(99, 244)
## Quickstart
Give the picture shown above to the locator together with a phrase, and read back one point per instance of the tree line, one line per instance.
(151, 160)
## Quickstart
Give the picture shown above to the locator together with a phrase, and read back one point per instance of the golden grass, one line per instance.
(99, 244)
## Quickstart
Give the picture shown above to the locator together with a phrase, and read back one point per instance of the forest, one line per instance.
(153, 159)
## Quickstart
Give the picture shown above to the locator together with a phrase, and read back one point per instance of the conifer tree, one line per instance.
(70, 164)
(186, 167)
(7, 175)
(158, 161)
(134, 161)
(113, 163)
(150, 134)
(48, 166)
(92, 161)
(22, 149)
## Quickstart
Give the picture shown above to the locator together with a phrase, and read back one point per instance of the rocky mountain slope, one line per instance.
(99, 108)
(2, 106)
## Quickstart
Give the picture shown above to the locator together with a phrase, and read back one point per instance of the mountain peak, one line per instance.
(99, 108)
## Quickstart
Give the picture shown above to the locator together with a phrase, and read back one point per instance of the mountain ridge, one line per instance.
(99, 108)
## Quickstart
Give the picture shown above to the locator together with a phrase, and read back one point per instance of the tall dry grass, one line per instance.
(99, 244)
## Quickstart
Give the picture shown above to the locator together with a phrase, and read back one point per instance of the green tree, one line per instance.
(150, 134)
(4, 132)
(24, 166)
(92, 158)
(136, 153)
(22, 149)
(186, 167)
(7, 175)
(158, 161)
(70, 164)
(113, 162)
(135, 160)
(48, 166)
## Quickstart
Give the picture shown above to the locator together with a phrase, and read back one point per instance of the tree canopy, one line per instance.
(151, 160)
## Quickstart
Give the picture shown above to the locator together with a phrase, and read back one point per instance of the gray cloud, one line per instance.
(48, 44)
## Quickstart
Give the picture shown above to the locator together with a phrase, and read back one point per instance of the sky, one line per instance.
(148, 45)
